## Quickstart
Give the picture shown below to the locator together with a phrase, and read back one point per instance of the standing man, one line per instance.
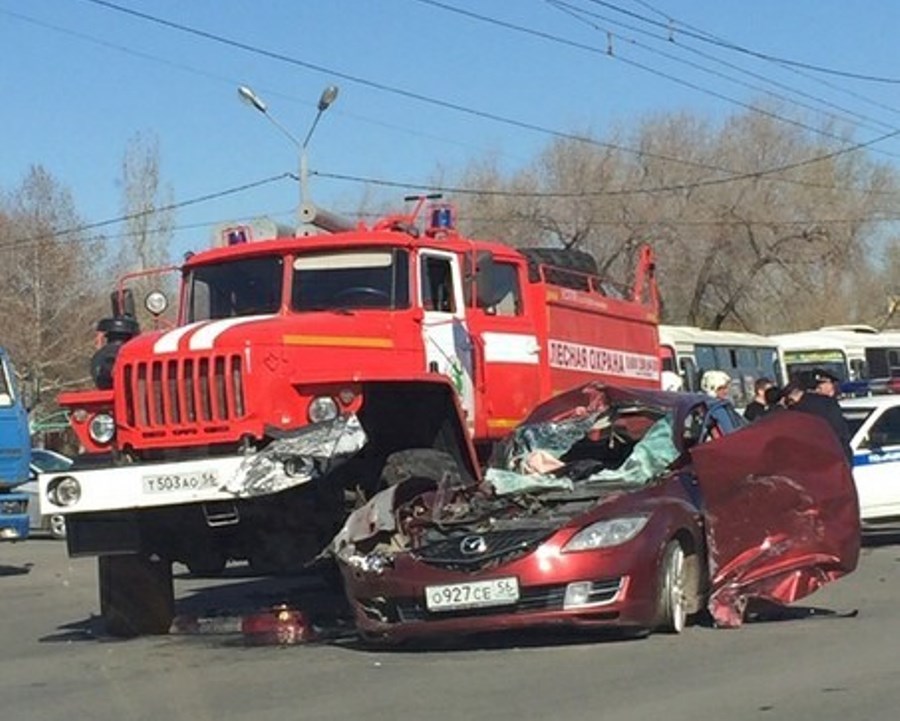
(826, 383)
(808, 400)
(758, 406)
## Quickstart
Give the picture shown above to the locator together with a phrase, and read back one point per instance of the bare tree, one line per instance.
(146, 205)
(757, 225)
(50, 285)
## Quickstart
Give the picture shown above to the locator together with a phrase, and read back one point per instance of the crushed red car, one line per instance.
(607, 507)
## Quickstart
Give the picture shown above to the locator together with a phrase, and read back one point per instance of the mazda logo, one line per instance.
(472, 545)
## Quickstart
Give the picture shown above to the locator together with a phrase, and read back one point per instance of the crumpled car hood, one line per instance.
(781, 511)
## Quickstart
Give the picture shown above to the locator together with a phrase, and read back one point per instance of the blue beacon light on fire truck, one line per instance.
(442, 217)
(236, 235)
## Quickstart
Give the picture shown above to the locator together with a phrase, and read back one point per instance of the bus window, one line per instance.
(689, 373)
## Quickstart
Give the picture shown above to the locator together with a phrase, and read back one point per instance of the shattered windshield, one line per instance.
(334, 280)
(621, 445)
(249, 286)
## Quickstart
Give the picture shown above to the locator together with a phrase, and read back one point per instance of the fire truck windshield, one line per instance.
(249, 286)
(335, 280)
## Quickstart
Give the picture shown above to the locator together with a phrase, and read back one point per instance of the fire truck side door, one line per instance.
(510, 382)
(448, 345)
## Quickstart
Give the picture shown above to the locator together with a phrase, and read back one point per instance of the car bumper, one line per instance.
(623, 593)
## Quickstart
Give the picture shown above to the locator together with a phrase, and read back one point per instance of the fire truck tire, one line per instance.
(137, 595)
(419, 463)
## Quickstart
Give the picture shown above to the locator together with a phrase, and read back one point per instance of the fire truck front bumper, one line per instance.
(140, 486)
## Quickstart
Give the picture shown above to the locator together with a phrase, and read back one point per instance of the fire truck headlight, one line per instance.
(102, 428)
(321, 409)
(65, 491)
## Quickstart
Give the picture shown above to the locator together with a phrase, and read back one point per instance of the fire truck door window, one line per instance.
(437, 285)
(507, 293)
(249, 286)
(351, 279)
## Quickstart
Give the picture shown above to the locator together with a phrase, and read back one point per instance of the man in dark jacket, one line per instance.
(758, 406)
(798, 397)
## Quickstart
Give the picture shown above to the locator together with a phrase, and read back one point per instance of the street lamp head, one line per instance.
(248, 96)
(328, 97)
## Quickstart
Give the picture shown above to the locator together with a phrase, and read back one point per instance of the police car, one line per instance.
(875, 439)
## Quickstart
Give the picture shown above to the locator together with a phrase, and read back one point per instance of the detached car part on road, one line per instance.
(608, 507)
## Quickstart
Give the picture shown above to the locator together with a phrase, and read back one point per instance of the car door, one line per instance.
(876, 466)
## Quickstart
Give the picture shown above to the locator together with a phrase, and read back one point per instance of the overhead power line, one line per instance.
(513, 122)
(25, 240)
(707, 38)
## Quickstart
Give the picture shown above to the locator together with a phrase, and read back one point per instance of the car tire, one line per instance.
(137, 595)
(674, 593)
(56, 525)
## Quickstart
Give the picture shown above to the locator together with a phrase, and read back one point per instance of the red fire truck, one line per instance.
(300, 368)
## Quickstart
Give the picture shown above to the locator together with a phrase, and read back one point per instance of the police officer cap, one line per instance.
(820, 375)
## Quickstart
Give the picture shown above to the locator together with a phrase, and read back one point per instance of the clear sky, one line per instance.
(425, 86)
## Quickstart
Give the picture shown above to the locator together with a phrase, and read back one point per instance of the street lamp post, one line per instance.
(327, 97)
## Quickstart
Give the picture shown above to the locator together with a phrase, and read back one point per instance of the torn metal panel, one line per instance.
(782, 516)
(298, 457)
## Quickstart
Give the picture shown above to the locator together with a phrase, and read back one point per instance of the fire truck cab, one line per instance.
(301, 368)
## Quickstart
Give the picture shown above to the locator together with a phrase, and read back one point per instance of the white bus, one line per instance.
(865, 359)
(690, 351)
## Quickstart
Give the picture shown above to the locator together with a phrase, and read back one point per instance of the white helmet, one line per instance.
(713, 380)
(671, 381)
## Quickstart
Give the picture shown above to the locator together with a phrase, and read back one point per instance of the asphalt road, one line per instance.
(824, 664)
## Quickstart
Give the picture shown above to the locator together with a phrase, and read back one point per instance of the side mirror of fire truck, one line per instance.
(118, 329)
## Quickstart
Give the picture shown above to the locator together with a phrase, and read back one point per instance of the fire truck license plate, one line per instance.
(171, 482)
(454, 596)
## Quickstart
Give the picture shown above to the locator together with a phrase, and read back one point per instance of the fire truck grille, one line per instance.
(184, 392)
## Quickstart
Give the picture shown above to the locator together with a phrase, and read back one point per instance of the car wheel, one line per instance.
(57, 526)
(673, 591)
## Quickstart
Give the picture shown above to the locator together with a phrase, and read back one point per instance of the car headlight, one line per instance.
(65, 491)
(604, 534)
(102, 428)
(321, 409)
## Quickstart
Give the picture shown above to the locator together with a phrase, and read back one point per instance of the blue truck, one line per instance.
(15, 454)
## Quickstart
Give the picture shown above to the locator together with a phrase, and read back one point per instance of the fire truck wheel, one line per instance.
(136, 595)
(419, 463)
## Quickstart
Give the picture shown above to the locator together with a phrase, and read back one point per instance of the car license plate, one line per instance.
(172, 482)
(475, 594)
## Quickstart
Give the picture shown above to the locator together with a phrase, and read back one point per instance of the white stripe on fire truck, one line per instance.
(511, 348)
(168, 342)
(205, 338)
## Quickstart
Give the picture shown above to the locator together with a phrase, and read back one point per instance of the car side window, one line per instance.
(886, 429)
